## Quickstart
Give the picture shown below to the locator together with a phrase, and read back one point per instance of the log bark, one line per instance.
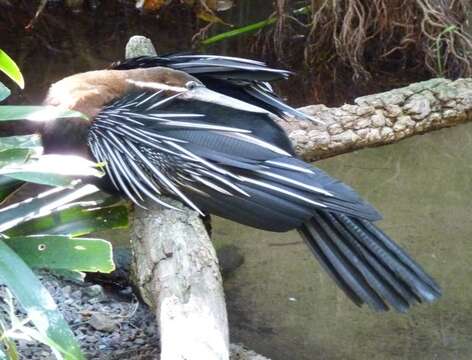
(381, 119)
(176, 271)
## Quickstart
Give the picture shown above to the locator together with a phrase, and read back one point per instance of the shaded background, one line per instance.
(280, 302)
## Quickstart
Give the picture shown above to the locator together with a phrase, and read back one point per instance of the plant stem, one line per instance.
(250, 28)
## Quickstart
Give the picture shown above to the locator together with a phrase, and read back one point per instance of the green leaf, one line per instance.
(9, 67)
(32, 142)
(76, 221)
(9, 351)
(36, 113)
(42, 205)
(64, 252)
(8, 186)
(37, 303)
(4, 92)
(53, 170)
(248, 29)
(13, 156)
(240, 31)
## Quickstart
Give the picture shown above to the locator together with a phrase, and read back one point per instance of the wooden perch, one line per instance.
(381, 119)
(175, 265)
(177, 272)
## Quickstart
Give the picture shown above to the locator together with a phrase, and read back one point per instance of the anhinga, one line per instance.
(200, 128)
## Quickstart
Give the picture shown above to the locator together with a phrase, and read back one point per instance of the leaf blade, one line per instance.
(37, 113)
(9, 68)
(37, 303)
(64, 252)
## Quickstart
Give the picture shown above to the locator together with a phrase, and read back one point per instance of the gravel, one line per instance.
(107, 324)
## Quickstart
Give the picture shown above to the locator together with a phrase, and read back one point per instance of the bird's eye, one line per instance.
(191, 85)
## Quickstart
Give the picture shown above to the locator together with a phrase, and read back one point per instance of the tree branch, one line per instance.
(178, 275)
(381, 119)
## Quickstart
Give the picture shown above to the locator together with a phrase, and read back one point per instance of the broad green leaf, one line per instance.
(36, 113)
(64, 252)
(76, 221)
(13, 156)
(53, 170)
(8, 186)
(42, 205)
(9, 67)
(32, 142)
(4, 92)
(37, 303)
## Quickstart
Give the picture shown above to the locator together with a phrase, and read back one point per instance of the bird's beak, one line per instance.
(204, 94)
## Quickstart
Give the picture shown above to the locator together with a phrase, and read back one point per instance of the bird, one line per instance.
(201, 129)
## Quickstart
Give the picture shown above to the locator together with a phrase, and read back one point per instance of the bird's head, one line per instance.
(89, 92)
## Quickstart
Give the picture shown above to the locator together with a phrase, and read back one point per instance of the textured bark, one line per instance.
(176, 270)
(381, 119)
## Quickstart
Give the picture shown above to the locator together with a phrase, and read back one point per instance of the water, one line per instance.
(283, 305)
(280, 303)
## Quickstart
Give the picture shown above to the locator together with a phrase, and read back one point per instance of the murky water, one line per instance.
(283, 305)
(280, 302)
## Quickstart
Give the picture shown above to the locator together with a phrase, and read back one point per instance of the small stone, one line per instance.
(103, 322)
(66, 290)
(139, 341)
(93, 291)
(76, 294)
(91, 339)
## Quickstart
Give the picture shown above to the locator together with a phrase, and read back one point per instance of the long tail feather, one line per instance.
(366, 264)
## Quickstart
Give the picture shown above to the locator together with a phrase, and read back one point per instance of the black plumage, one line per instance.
(220, 152)
(244, 79)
